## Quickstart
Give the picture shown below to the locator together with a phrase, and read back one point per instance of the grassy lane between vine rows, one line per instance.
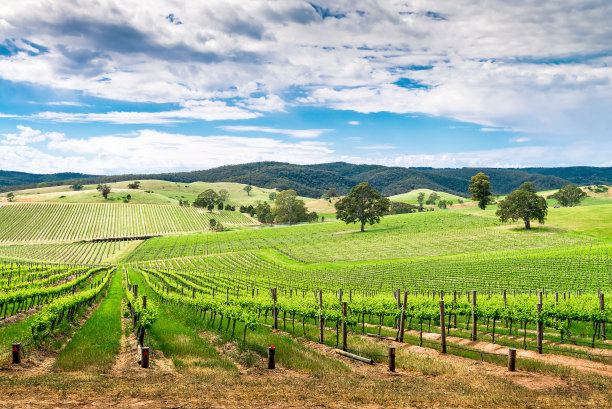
(289, 353)
(177, 341)
(21, 331)
(95, 345)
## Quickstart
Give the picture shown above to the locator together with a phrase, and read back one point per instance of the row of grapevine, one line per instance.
(61, 222)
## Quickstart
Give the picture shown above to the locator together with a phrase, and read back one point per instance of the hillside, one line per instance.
(54, 222)
(314, 180)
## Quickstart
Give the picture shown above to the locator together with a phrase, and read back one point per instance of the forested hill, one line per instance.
(9, 178)
(314, 180)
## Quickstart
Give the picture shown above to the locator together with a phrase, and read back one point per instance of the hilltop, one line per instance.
(314, 180)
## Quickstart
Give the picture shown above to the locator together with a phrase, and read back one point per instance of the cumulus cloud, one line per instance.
(528, 66)
(28, 136)
(353, 123)
(153, 151)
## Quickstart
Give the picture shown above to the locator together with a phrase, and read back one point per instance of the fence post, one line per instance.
(454, 302)
(603, 324)
(271, 352)
(474, 320)
(344, 332)
(275, 311)
(144, 302)
(512, 359)
(392, 359)
(442, 329)
(135, 288)
(540, 332)
(402, 317)
(17, 352)
(506, 320)
(145, 357)
(321, 324)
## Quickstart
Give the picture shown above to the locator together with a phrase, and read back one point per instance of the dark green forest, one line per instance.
(314, 180)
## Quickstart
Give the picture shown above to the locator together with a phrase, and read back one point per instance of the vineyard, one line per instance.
(44, 222)
(68, 253)
(447, 290)
(413, 235)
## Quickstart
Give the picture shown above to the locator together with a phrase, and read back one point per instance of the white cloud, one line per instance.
(533, 66)
(520, 139)
(153, 151)
(353, 123)
(192, 110)
(377, 147)
(28, 136)
(294, 133)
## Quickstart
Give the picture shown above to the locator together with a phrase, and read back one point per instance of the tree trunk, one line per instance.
(527, 223)
(362, 226)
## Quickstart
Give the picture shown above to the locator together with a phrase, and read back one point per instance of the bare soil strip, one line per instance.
(126, 363)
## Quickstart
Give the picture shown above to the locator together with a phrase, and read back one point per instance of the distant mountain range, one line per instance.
(314, 180)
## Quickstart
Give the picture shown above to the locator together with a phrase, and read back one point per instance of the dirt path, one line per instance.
(529, 380)
(126, 363)
(568, 361)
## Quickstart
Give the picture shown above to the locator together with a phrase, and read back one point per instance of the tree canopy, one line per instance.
(523, 204)
(224, 195)
(105, 190)
(364, 204)
(208, 199)
(288, 208)
(481, 189)
(248, 189)
(569, 195)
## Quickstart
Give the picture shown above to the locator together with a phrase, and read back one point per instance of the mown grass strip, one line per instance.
(176, 340)
(95, 345)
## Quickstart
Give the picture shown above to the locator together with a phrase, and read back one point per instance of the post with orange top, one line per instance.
(145, 357)
(392, 359)
(271, 351)
(17, 352)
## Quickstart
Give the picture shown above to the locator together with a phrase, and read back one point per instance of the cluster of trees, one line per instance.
(433, 199)
(215, 225)
(10, 196)
(134, 185)
(569, 196)
(209, 199)
(287, 209)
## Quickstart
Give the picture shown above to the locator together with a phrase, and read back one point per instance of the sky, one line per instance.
(117, 86)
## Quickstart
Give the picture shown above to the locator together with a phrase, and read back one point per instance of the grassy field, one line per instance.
(411, 197)
(210, 297)
(150, 192)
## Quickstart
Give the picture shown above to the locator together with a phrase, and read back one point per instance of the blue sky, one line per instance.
(128, 86)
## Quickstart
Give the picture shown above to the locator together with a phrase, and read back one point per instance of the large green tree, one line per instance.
(288, 208)
(208, 199)
(363, 204)
(569, 195)
(481, 189)
(523, 204)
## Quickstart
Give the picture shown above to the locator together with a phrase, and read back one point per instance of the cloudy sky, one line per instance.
(113, 86)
